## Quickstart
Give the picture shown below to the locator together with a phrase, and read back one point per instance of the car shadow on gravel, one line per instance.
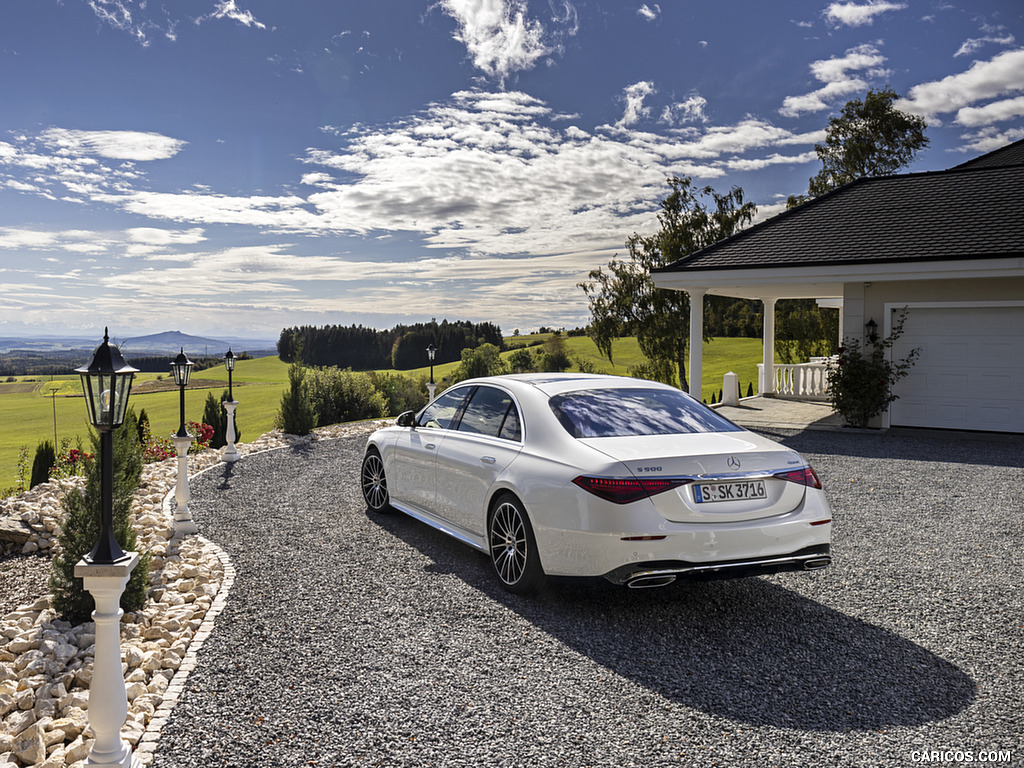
(748, 650)
(976, 448)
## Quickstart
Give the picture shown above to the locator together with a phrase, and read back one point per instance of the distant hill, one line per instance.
(172, 342)
(59, 355)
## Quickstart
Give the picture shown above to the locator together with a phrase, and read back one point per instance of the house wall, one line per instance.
(868, 300)
(864, 301)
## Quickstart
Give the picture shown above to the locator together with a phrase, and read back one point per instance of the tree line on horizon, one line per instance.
(402, 347)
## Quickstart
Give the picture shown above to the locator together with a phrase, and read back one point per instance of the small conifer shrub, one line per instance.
(81, 528)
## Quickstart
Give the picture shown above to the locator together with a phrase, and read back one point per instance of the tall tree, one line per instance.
(868, 138)
(623, 299)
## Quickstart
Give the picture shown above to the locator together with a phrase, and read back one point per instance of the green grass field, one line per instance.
(28, 411)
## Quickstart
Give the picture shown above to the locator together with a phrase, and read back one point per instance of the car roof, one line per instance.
(556, 383)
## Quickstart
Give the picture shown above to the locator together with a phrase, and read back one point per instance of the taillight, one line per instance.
(624, 490)
(803, 476)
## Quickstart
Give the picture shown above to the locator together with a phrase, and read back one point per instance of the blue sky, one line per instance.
(232, 167)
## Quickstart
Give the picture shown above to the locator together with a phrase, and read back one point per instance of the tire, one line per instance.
(513, 547)
(374, 482)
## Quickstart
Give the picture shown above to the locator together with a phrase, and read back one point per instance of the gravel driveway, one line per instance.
(351, 639)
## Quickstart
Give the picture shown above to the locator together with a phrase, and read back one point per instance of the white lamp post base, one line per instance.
(230, 453)
(108, 702)
(183, 522)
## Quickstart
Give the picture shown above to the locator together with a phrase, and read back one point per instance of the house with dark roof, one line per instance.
(945, 247)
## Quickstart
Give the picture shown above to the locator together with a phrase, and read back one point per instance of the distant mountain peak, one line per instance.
(173, 341)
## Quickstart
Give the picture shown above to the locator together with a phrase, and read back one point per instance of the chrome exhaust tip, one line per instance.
(645, 582)
(816, 563)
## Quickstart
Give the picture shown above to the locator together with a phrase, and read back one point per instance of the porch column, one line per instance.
(696, 373)
(768, 360)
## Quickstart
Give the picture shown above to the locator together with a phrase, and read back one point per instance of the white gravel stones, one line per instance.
(46, 664)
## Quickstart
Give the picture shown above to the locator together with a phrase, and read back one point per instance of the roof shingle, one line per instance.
(972, 211)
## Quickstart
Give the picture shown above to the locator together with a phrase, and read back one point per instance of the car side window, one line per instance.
(511, 429)
(491, 412)
(442, 412)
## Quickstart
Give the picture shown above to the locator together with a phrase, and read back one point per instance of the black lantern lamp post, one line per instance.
(181, 368)
(107, 382)
(431, 352)
(229, 363)
(230, 452)
(872, 330)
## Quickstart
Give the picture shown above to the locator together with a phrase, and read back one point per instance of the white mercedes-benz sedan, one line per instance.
(587, 475)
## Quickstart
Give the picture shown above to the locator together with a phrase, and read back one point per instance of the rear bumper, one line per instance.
(658, 573)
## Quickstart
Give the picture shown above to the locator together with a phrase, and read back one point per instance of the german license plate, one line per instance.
(742, 490)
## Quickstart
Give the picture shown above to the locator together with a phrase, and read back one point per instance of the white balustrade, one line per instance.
(804, 381)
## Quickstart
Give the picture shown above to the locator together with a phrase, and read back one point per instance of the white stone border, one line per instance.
(151, 736)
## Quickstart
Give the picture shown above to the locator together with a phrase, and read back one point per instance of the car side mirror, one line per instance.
(407, 419)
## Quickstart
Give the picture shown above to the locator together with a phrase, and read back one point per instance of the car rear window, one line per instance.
(631, 412)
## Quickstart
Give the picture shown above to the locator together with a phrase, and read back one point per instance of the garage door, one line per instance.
(970, 371)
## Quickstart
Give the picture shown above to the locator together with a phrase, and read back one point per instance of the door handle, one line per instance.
(489, 460)
(430, 446)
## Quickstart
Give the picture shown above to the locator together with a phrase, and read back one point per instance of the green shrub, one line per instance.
(296, 416)
(215, 415)
(484, 360)
(522, 360)
(45, 460)
(400, 393)
(143, 429)
(554, 358)
(81, 528)
(861, 381)
(585, 364)
(339, 395)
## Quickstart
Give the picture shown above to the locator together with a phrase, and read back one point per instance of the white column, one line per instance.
(183, 522)
(696, 339)
(108, 703)
(768, 385)
(230, 453)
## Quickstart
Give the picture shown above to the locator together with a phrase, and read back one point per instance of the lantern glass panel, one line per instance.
(122, 386)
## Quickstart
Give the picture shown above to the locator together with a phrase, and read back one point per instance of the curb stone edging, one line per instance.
(151, 737)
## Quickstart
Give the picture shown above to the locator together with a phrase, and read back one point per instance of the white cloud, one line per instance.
(116, 145)
(996, 112)
(118, 15)
(649, 13)
(493, 182)
(69, 241)
(988, 139)
(974, 44)
(856, 14)
(634, 97)
(1000, 76)
(227, 9)
(758, 163)
(690, 111)
(499, 37)
(142, 19)
(839, 80)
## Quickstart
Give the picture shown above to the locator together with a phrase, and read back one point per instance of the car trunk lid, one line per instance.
(728, 476)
